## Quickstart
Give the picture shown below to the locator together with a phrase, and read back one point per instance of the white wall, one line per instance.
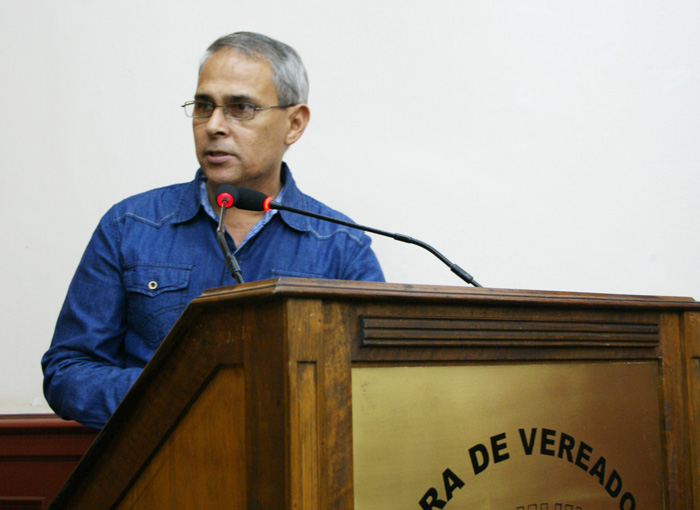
(540, 145)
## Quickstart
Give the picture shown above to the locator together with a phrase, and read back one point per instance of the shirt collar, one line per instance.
(293, 197)
(196, 197)
(189, 203)
(206, 205)
(289, 194)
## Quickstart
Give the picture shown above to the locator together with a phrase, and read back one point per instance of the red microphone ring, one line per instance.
(224, 198)
(266, 203)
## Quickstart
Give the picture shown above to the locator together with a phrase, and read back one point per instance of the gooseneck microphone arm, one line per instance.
(226, 196)
(253, 200)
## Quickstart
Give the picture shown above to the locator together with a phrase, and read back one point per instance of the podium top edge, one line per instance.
(379, 291)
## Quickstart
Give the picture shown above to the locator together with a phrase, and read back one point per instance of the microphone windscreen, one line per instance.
(226, 195)
(251, 200)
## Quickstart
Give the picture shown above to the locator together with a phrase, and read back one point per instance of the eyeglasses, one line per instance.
(238, 111)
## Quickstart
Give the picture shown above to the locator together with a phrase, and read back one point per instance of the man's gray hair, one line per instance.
(288, 72)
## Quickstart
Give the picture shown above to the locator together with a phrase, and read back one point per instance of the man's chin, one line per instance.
(268, 182)
(222, 175)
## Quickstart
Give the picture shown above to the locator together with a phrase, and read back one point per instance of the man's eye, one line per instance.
(240, 108)
(202, 108)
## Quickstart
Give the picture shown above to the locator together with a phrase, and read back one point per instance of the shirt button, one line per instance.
(153, 285)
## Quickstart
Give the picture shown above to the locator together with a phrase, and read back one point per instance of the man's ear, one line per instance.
(299, 116)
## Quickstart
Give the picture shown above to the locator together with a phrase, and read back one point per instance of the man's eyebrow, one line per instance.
(239, 98)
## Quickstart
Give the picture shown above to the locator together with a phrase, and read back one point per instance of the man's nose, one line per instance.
(217, 122)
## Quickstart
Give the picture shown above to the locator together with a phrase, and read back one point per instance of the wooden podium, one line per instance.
(317, 394)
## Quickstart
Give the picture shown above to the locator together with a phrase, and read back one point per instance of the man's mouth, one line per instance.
(217, 157)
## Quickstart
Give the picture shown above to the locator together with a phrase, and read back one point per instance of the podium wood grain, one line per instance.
(248, 401)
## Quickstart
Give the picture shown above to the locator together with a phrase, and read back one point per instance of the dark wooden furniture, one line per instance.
(249, 401)
(38, 452)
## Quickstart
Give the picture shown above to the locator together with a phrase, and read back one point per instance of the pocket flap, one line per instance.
(154, 279)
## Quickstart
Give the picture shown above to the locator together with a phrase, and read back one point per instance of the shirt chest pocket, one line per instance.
(156, 296)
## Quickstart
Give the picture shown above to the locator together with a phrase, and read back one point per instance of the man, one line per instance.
(153, 253)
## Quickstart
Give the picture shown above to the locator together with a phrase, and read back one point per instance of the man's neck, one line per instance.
(238, 222)
(271, 188)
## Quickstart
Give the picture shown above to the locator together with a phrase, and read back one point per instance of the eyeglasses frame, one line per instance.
(225, 109)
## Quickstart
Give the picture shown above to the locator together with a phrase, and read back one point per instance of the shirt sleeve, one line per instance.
(85, 373)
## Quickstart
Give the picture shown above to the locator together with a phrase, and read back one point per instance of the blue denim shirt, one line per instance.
(153, 253)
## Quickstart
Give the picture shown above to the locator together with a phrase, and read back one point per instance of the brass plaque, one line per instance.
(527, 436)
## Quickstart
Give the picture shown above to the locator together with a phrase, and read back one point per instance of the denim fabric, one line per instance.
(153, 253)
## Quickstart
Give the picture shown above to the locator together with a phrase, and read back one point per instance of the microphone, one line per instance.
(253, 200)
(227, 196)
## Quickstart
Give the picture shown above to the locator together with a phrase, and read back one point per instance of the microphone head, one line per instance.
(226, 195)
(252, 200)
